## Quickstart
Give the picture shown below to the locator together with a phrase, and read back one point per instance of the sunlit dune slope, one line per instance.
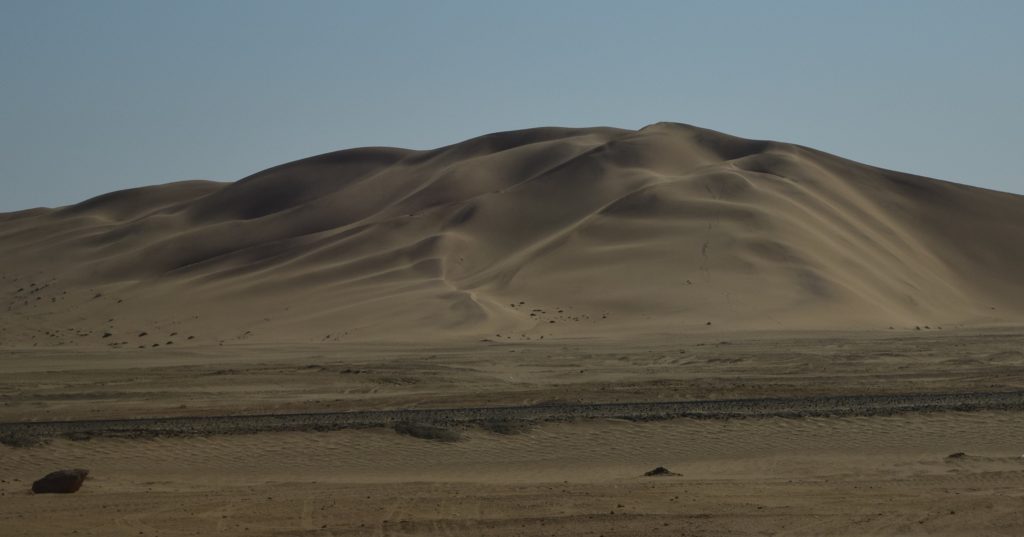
(541, 232)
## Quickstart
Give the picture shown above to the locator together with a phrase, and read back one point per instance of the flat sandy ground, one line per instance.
(846, 475)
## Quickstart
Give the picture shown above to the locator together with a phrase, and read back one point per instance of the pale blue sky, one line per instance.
(101, 95)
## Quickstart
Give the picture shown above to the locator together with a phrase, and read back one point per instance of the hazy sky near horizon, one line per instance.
(104, 95)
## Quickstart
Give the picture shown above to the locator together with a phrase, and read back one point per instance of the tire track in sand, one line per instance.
(805, 407)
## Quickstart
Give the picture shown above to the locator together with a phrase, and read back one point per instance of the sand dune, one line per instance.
(527, 234)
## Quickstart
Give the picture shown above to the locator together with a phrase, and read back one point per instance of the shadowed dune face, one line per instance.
(542, 232)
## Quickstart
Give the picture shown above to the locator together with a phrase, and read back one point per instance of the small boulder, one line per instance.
(957, 455)
(659, 471)
(61, 482)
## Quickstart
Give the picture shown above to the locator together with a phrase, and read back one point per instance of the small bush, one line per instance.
(428, 432)
(22, 439)
(505, 427)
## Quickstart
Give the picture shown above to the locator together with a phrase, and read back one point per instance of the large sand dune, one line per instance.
(527, 234)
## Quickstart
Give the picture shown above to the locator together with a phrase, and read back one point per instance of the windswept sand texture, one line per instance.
(545, 232)
(502, 336)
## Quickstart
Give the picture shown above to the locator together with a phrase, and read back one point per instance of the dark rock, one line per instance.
(659, 471)
(957, 455)
(61, 481)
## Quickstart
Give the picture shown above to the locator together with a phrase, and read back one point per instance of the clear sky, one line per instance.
(101, 95)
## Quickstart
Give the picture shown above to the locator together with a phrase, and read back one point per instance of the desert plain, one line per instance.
(503, 336)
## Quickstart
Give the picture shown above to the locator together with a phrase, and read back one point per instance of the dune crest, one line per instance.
(518, 235)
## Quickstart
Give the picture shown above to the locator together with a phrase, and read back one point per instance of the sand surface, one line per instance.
(881, 476)
(61, 383)
(846, 476)
(501, 336)
(882, 473)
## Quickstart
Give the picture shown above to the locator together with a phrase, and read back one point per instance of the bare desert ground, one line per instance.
(502, 336)
(837, 465)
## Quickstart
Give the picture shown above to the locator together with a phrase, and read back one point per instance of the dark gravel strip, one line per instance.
(836, 406)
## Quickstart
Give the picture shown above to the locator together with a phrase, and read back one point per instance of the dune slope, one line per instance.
(527, 234)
